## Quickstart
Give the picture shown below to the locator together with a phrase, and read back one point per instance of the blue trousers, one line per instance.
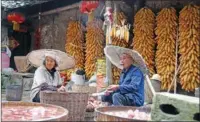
(117, 99)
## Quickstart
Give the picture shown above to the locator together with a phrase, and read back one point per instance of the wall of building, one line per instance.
(4, 30)
(54, 26)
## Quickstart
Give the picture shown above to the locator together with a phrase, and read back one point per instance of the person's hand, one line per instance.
(113, 87)
(108, 92)
(61, 89)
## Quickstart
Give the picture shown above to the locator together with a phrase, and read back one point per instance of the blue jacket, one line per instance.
(132, 85)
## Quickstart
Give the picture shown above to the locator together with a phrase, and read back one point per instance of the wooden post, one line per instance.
(108, 63)
(115, 13)
(91, 16)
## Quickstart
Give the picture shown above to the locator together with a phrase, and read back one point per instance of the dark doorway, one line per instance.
(24, 40)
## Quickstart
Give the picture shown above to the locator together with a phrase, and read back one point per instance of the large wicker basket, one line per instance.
(84, 88)
(75, 102)
(21, 63)
(89, 116)
(62, 117)
(102, 116)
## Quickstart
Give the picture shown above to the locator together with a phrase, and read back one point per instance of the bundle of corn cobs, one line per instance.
(94, 45)
(75, 44)
(166, 32)
(189, 43)
(143, 42)
(120, 29)
(118, 42)
(120, 32)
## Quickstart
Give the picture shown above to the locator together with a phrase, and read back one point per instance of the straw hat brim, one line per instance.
(114, 52)
(64, 61)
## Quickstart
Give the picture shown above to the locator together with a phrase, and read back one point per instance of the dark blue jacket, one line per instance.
(132, 85)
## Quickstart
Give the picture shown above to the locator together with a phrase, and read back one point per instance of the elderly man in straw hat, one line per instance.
(130, 91)
(46, 76)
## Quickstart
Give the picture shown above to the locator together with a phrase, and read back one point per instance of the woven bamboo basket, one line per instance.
(84, 88)
(62, 117)
(102, 116)
(75, 102)
(21, 63)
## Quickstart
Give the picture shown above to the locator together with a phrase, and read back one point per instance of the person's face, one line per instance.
(126, 61)
(50, 63)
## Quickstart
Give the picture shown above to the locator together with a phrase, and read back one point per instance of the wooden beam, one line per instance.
(172, 0)
(76, 5)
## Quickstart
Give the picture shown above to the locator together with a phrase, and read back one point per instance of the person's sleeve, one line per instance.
(39, 80)
(133, 86)
(47, 87)
(59, 79)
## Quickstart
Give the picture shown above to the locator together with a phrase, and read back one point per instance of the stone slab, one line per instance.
(186, 108)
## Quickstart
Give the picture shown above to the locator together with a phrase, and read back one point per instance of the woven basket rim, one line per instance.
(84, 88)
(21, 103)
(67, 92)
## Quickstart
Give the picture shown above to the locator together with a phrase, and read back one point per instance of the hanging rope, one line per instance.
(176, 69)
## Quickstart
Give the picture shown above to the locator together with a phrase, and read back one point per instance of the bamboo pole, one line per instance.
(175, 82)
(176, 68)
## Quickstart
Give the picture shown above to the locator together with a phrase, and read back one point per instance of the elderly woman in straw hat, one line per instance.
(46, 76)
(130, 91)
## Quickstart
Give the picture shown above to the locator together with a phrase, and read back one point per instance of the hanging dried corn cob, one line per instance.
(189, 43)
(143, 42)
(120, 17)
(166, 32)
(120, 30)
(94, 45)
(75, 44)
(118, 42)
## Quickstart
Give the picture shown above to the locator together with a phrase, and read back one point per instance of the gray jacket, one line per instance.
(43, 78)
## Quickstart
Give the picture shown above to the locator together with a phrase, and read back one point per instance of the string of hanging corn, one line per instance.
(94, 45)
(74, 44)
(143, 41)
